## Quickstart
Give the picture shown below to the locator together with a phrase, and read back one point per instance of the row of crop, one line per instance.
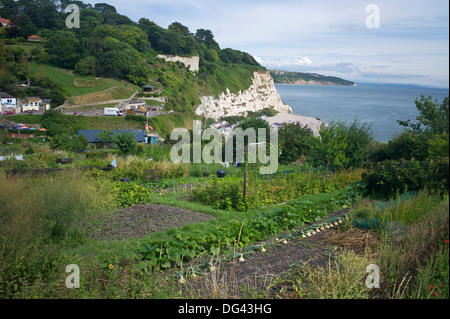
(227, 193)
(235, 232)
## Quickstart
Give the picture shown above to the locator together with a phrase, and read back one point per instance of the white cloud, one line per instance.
(329, 36)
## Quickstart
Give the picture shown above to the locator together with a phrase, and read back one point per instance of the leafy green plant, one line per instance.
(389, 177)
(131, 194)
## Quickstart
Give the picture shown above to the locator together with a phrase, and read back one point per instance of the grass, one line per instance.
(85, 89)
(414, 265)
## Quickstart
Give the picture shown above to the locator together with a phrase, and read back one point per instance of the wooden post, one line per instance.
(245, 180)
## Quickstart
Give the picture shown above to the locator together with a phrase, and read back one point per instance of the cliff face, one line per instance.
(191, 62)
(261, 94)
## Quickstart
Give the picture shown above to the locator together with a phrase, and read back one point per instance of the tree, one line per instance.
(104, 8)
(207, 37)
(359, 140)
(179, 28)
(63, 48)
(86, 66)
(433, 118)
(106, 137)
(329, 149)
(126, 142)
(70, 143)
(294, 141)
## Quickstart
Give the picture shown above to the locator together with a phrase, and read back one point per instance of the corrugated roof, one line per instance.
(91, 135)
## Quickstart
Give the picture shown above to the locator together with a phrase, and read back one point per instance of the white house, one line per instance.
(30, 103)
(8, 103)
(45, 104)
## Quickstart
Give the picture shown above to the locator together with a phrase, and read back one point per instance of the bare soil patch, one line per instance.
(141, 220)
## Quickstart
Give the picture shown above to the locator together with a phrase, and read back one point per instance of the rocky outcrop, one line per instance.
(191, 62)
(260, 95)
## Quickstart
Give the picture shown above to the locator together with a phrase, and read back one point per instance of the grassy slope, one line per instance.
(85, 89)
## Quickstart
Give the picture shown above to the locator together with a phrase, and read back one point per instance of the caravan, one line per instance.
(113, 112)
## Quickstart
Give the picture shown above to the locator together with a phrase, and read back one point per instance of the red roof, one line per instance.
(34, 36)
(5, 21)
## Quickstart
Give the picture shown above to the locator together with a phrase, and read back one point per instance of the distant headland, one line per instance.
(299, 78)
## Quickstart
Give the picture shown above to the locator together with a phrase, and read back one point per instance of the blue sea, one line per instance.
(377, 104)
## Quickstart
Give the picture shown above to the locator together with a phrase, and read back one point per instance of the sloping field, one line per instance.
(86, 89)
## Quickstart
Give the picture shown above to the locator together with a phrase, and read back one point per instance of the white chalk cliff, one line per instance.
(191, 62)
(261, 94)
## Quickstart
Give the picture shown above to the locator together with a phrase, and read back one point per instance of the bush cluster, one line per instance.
(388, 178)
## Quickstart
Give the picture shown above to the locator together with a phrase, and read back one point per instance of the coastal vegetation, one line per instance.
(287, 77)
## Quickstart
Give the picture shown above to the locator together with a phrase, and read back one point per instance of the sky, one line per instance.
(373, 41)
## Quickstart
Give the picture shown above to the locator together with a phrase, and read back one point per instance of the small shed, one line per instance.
(148, 88)
(153, 138)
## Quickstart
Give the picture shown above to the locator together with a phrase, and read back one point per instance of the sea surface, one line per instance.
(375, 104)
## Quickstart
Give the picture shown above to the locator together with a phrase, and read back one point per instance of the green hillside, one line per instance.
(119, 51)
(287, 77)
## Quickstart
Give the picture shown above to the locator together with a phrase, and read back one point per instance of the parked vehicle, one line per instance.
(113, 112)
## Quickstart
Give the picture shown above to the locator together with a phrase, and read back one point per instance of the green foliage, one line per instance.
(57, 123)
(125, 142)
(438, 145)
(105, 136)
(37, 229)
(227, 193)
(63, 48)
(342, 145)
(131, 194)
(388, 178)
(406, 145)
(329, 149)
(70, 143)
(86, 66)
(178, 247)
(433, 118)
(294, 141)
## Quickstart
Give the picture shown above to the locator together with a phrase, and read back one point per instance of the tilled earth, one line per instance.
(141, 220)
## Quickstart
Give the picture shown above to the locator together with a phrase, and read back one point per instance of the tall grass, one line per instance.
(39, 217)
(402, 258)
(342, 278)
(413, 263)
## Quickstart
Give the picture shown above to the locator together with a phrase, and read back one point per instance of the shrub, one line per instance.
(295, 141)
(389, 177)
